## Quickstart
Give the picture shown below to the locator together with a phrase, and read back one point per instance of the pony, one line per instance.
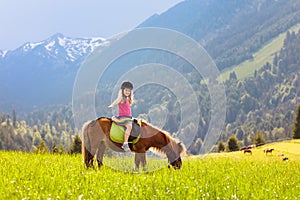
(245, 148)
(285, 158)
(247, 151)
(96, 138)
(266, 151)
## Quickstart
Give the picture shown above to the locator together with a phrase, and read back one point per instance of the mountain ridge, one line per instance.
(75, 47)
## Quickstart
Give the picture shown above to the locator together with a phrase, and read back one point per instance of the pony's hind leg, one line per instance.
(88, 159)
(87, 156)
(92, 135)
(90, 163)
(100, 153)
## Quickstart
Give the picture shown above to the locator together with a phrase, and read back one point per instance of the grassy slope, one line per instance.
(265, 54)
(216, 176)
(290, 149)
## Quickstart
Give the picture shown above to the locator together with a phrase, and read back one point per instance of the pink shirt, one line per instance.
(124, 108)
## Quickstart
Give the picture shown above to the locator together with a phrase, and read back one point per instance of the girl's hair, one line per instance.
(129, 85)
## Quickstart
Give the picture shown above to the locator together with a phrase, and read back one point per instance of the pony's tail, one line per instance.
(85, 145)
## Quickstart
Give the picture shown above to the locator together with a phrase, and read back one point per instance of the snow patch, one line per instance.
(33, 45)
(3, 53)
(28, 46)
(62, 41)
(97, 39)
(50, 45)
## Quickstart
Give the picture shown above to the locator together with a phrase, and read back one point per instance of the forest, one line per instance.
(232, 30)
(263, 104)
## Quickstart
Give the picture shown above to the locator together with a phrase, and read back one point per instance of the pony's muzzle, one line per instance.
(176, 164)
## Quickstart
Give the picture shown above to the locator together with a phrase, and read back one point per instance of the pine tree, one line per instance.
(54, 148)
(14, 118)
(42, 148)
(233, 143)
(76, 145)
(296, 125)
(221, 146)
(259, 138)
(61, 149)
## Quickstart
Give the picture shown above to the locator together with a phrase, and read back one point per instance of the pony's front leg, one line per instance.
(140, 158)
(143, 160)
(100, 153)
(137, 161)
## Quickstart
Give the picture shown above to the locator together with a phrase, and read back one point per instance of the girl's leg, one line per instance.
(126, 136)
(127, 132)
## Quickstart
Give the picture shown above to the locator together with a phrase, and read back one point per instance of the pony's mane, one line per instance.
(158, 129)
(170, 140)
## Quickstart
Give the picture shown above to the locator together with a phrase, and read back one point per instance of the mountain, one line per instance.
(57, 46)
(231, 31)
(43, 73)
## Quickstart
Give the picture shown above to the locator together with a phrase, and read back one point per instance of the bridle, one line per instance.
(174, 162)
(173, 159)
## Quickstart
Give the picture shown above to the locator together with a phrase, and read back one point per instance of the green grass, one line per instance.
(215, 176)
(261, 57)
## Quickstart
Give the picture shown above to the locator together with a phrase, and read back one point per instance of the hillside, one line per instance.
(231, 31)
(288, 147)
(261, 57)
(267, 100)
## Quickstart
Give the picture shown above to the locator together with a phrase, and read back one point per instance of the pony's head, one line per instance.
(162, 142)
(174, 154)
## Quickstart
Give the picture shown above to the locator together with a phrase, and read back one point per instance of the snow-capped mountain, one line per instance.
(58, 46)
(43, 72)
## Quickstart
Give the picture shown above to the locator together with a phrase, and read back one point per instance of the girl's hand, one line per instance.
(110, 106)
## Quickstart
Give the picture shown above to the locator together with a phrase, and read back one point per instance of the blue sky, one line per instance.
(24, 21)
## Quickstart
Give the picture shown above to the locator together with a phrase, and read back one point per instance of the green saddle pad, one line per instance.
(117, 134)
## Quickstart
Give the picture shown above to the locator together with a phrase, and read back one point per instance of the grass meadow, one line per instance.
(214, 176)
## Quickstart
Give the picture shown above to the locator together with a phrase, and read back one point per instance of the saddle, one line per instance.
(117, 132)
